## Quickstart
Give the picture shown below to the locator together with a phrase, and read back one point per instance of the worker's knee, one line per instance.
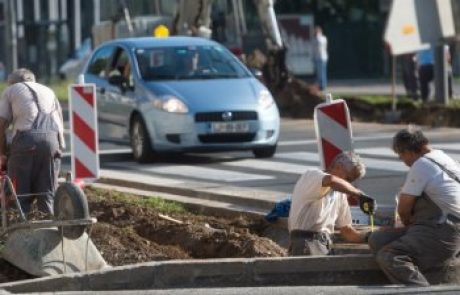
(376, 241)
(384, 258)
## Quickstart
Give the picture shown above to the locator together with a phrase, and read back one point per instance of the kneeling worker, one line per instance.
(319, 202)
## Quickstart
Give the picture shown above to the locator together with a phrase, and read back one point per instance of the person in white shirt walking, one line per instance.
(320, 57)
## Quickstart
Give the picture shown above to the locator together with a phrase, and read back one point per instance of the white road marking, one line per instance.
(137, 177)
(370, 163)
(272, 166)
(447, 146)
(379, 151)
(204, 173)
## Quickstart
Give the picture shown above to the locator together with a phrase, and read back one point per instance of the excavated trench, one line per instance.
(129, 232)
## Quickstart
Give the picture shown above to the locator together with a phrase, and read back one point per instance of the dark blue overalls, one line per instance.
(35, 160)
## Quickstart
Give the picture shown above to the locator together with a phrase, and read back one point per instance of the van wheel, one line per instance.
(265, 152)
(70, 203)
(140, 141)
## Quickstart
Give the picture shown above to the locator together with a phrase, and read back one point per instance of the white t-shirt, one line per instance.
(320, 48)
(317, 208)
(17, 107)
(426, 176)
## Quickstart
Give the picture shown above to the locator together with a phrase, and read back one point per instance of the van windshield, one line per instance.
(189, 62)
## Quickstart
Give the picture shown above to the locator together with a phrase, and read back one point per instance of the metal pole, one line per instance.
(393, 82)
(440, 75)
(11, 36)
(97, 11)
(77, 24)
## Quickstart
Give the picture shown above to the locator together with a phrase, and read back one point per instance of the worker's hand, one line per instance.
(367, 204)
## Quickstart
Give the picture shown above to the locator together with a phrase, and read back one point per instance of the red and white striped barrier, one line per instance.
(334, 135)
(84, 135)
(333, 130)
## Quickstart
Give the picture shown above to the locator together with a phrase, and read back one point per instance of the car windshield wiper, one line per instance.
(160, 77)
(219, 76)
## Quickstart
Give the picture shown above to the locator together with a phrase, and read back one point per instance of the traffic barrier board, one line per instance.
(84, 134)
(333, 130)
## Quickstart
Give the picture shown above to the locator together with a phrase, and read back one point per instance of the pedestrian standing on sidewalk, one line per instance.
(450, 77)
(409, 75)
(319, 203)
(320, 57)
(425, 64)
(34, 155)
(429, 208)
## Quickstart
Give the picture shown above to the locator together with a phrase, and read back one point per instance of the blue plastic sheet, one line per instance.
(281, 209)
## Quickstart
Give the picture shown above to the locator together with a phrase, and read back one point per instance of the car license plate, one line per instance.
(230, 127)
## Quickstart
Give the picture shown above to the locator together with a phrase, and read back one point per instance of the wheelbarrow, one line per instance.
(50, 246)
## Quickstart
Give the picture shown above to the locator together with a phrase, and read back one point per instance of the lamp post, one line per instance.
(11, 52)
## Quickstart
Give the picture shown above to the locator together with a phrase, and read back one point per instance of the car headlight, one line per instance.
(170, 104)
(265, 99)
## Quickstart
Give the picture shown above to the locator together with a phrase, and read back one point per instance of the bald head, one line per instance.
(21, 75)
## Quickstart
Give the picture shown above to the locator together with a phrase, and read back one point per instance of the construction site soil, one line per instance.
(129, 232)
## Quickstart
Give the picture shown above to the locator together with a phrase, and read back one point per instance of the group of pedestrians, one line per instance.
(418, 73)
(428, 206)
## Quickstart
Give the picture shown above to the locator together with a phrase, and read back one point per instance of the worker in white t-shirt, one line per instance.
(319, 204)
(429, 208)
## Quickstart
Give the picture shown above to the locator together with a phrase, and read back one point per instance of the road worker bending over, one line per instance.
(35, 152)
(319, 203)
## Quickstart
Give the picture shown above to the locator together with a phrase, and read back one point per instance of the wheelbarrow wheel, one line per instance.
(70, 203)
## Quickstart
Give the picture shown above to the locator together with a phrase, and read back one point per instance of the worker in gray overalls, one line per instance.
(35, 152)
(429, 208)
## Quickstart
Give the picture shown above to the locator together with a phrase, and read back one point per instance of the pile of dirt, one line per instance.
(297, 99)
(129, 232)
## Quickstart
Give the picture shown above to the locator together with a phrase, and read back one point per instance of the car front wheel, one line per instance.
(264, 152)
(140, 141)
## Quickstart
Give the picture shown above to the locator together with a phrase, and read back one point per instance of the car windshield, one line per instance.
(188, 62)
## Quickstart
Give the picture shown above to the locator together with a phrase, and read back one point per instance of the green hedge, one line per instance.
(59, 87)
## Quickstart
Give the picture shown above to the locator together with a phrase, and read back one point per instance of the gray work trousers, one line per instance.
(404, 254)
(309, 243)
(33, 166)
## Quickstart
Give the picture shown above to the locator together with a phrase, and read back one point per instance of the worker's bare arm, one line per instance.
(341, 185)
(405, 205)
(352, 235)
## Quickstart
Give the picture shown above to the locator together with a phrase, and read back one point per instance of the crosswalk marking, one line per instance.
(355, 139)
(447, 146)
(204, 173)
(378, 158)
(272, 166)
(380, 151)
(370, 163)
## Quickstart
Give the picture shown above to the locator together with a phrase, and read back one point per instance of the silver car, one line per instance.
(180, 94)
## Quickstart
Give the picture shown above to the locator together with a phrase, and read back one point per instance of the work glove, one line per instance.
(367, 204)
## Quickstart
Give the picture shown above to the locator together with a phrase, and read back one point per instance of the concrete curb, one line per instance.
(321, 270)
(250, 198)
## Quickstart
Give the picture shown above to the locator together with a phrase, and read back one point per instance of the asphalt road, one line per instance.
(297, 152)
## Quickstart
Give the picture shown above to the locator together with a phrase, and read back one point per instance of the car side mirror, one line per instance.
(257, 73)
